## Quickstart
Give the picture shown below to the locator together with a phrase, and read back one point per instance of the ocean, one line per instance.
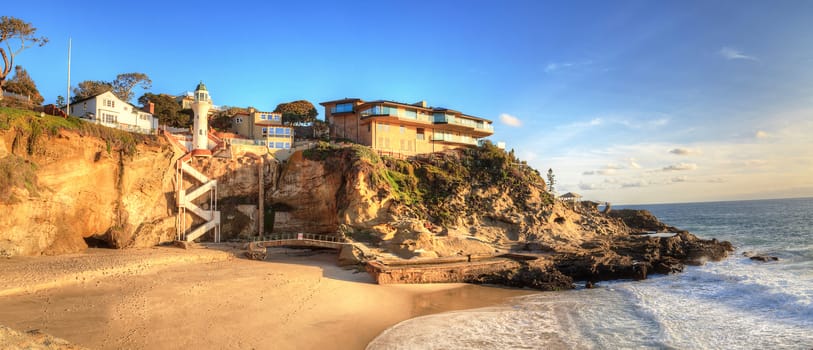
(732, 304)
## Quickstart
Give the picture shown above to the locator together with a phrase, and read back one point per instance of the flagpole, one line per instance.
(68, 100)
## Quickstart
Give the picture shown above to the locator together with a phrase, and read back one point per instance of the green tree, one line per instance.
(167, 109)
(221, 120)
(90, 88)
(15, 31)
(551, 180)
(22, 84)
(60, 101)
(124, 84)
(297, 112)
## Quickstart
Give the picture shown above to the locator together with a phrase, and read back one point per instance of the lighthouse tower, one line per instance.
(200, 136)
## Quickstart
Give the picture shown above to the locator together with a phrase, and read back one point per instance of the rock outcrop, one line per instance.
(641, 221)
(84, 188)
(70, 188)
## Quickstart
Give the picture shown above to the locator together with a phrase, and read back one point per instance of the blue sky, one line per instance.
(627, 101)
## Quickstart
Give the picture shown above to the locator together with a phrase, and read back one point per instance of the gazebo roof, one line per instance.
(570, 195)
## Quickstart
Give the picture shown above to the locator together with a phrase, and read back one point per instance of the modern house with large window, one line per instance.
(263, 126)
(107, 109)
(403, 128)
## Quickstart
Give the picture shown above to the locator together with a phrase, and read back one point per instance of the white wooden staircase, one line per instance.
(187, 198)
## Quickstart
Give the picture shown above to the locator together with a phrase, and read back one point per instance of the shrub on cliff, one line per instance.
(31, 127)
(16, 172)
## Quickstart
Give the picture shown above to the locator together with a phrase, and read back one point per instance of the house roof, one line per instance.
(409, 105)
(570, 195)
(91, 97)
(114, 95)
(341, 101)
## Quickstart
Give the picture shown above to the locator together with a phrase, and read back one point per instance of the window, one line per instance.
(262, 116)
(287, 145)
(108, 103)
(85, 106)
(411, 114)
(403, 129)
(287, 132)
(109, 118)
(265, 132)
(419, 135)
(342, 108)
(280, 131)
(279, 145)
(238, 120)
(270, 145)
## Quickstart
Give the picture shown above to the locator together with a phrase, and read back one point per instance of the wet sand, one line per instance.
(168, 298)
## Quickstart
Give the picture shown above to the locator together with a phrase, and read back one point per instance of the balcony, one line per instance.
(394, 114)
(454, 138)
(277, 132)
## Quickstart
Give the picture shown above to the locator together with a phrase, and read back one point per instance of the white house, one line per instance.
(107, 109)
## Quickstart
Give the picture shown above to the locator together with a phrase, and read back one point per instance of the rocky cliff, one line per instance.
(452, 203)
(67, 186)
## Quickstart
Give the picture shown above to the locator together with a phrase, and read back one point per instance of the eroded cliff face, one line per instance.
(83, 187)
(456, 203)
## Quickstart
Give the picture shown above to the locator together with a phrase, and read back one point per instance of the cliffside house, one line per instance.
(408, 129)
(107, 109)
(571, 197)
(264, 128)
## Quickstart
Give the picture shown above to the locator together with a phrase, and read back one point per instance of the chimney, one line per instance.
(251, 110)
(420, 104)
(149, 107)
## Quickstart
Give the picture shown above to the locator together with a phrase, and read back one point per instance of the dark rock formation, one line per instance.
(760, 257)
(635, 257)
(528, 275)
(641, 221)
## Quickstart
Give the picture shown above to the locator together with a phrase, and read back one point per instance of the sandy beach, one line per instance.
(169, 298)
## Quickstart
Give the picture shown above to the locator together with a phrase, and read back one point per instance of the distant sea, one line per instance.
(733, 304)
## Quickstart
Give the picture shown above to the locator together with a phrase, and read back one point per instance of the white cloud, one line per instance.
(679, 179)
(589, 173)
(588, 187)
(730, 53)
(638, 183)
(510, 120)
(606, 171)
(634, 164)
(680, 167)
(682, 151)
(552, 67)
(761, 134)
(557, 66)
